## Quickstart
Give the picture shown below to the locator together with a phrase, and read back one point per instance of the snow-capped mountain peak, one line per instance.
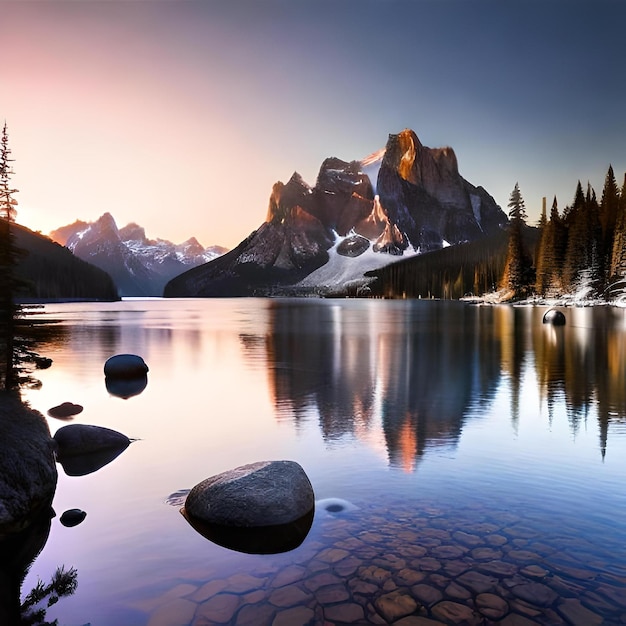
(138, 265)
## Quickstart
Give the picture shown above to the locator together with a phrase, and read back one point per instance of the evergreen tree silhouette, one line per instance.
(551, 254)
(13, 352)
(517, 276)
(618, 253)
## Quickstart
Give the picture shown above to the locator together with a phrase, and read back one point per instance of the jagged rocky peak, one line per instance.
(61, 235)
(106, 224)
(191, 247)
(423, 193)
(417, 164)
(285, 197)
(133, 232)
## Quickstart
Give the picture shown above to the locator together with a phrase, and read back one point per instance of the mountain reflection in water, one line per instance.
(423, 373)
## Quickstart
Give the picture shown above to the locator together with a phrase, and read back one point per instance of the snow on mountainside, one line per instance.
(344, 271)
(138, 265)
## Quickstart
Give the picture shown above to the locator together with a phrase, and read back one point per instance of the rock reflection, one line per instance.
(256, 540)
(83, 464)
(126, 388)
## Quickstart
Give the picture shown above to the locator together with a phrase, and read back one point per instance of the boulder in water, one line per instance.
(125, 366)
(267, 493)
(78, 439)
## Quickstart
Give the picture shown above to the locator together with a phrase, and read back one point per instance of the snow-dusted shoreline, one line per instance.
(566, 300)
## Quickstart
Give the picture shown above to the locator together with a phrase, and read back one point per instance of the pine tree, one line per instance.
(618, 256)
(551, 254)
(517, 276)
(9, 255)
(578, 204)
(609, 209)
(584, 258)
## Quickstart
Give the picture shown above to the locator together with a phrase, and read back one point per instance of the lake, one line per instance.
(478, 455)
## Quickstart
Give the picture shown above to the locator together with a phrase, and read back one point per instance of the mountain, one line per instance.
(53, 272)
(138, 265)
(322, 239)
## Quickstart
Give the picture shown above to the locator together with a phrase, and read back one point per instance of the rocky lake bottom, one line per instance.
(411, 565)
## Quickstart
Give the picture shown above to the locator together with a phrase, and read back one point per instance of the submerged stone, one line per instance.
(335, 506)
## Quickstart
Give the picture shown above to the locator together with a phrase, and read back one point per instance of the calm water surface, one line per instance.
(484, 453)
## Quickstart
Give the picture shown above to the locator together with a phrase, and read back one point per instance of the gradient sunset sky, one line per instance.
(180, 115)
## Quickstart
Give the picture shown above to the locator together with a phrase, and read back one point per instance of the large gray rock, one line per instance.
(79, 439)
(28, 474)
(267, 493)
(125, 366)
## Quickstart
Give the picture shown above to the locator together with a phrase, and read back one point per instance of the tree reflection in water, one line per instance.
(422, 368)
(17, 553)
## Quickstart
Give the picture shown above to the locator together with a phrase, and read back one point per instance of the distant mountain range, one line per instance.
(139, 266)
(405, 200)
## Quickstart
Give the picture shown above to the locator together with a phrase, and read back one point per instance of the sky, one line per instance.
(180, 115)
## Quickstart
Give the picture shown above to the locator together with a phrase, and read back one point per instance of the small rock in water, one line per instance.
(554, 317)
(72, 517)
(65, 410)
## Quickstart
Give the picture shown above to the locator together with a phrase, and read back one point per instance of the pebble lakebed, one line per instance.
(408, 566)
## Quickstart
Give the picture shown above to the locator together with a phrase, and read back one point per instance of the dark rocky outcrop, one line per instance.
(353, 246)
(28, 474)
